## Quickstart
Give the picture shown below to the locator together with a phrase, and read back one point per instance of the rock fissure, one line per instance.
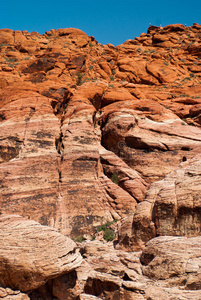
(32, 111)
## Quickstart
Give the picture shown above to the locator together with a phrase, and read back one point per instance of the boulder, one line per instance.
(31, 254)
(176, 260)
(172, 206)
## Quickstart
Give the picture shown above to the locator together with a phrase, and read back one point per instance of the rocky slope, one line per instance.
(40, 263)
(94, 134)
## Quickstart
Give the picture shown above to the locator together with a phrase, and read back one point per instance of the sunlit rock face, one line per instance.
(87, 128)
(28, 258)
(93, 135)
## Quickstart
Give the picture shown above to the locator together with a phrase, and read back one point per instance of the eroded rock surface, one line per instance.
(176, 260)
(91, 134)
(45, 264)
(64, 97)
(29, 169)
(164, 269)
(31, 253)
(152, 147)
(8, 294)
(171, 207)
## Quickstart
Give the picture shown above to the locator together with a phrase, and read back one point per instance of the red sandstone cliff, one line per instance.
(93, 133)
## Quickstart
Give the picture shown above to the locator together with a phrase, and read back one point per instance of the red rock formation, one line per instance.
(171, 207)
(31, 253)
(87, 128)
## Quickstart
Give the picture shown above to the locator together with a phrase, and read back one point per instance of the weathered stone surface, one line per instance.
(81, 174)
(87, 132)
(114, 272)
(155, 293)
(29, 169)
(8, 294)
(163, 270)
(64, 287)
(136, 71)
(153, 148)
(31, 253)
(162, 72)
(174, 259)
(107, 273)
(116, 95)
(45, 161)
(6, 36)
(171, 206)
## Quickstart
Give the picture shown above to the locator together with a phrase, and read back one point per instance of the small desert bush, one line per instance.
(109, 234)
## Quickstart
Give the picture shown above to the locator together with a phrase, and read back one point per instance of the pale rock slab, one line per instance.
(31, 253)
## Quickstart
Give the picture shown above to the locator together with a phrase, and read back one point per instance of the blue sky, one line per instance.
(108, 21)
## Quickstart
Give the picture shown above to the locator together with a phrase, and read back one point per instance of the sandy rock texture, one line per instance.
(9, 294)
(31, 253)
(100, 142)
(163, 270)
(173, 259)
(66, 99)
(171, 207)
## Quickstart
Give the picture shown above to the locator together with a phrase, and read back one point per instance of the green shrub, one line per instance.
(10, 59)
(115, 178)
(184, 95)
(79, 78)
(103, 226)
(108, 235)
(79, 239)
(186, 78)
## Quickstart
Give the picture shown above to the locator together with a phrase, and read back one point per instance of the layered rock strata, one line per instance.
(94, 135)
(171, 207)
(64, 97)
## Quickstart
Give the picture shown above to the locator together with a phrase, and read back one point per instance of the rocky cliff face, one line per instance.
(94, 134)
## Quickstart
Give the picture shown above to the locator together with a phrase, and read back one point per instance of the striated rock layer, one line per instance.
(86, 128)
(172, 206)
(40, 263)
(163, 270)
(91, 134)
(31, 254)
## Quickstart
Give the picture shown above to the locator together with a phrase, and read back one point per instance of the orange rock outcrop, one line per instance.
(93, 135)
(86, 128)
